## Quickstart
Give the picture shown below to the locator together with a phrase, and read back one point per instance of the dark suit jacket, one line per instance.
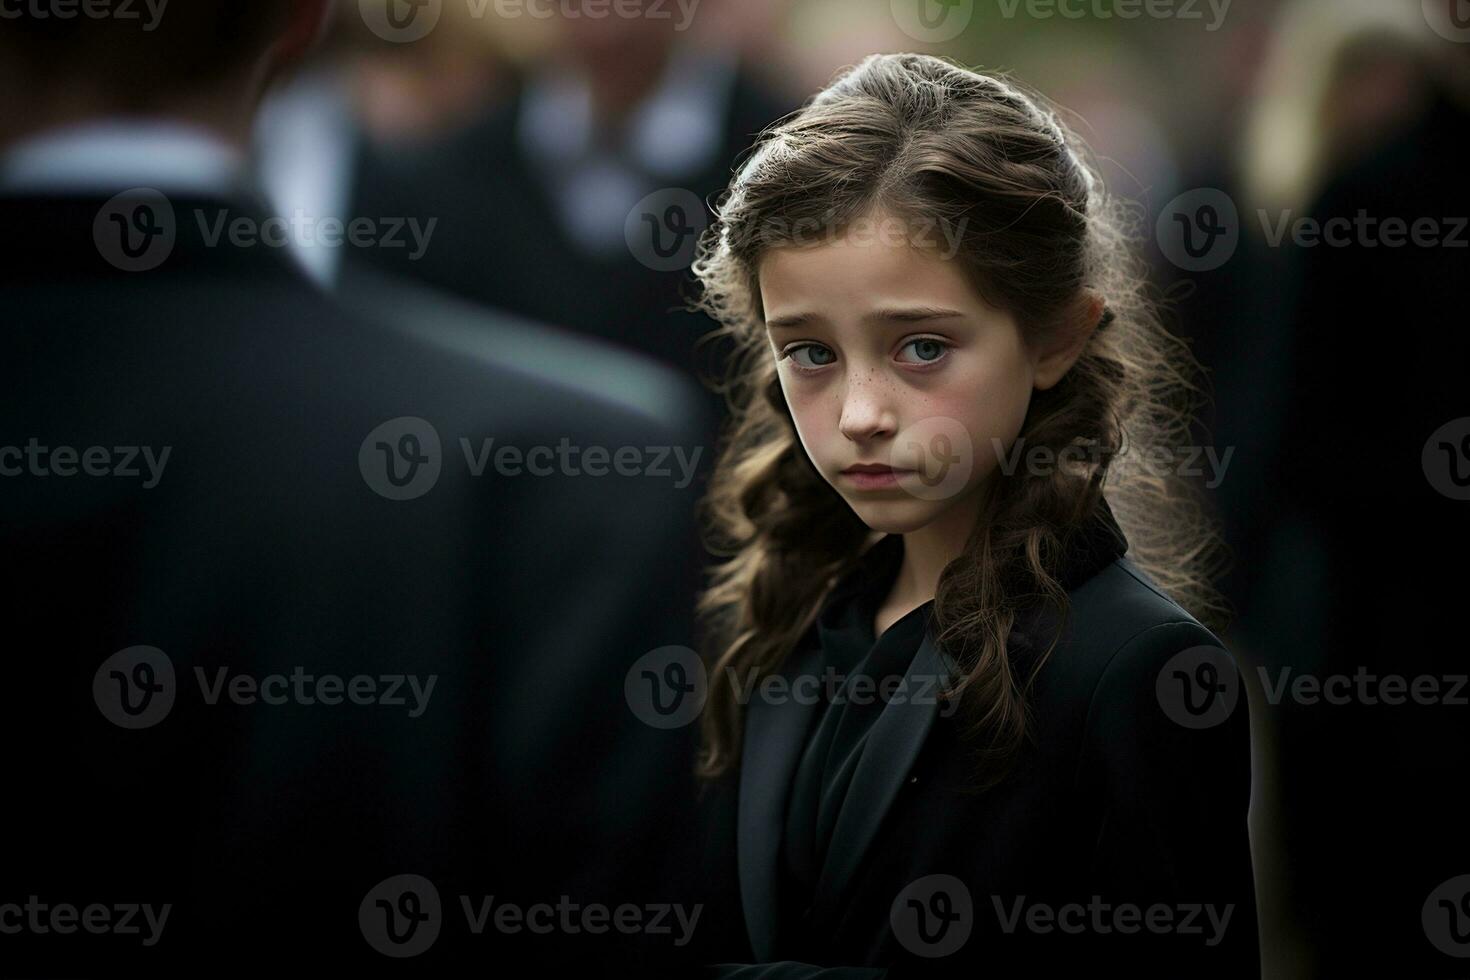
(1319, 607)
(269, 546)
(1119, 807)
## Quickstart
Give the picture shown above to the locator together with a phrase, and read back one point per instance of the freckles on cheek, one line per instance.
(987, 411)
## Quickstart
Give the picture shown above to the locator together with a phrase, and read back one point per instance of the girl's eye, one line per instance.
(815, 356)
(927, 350)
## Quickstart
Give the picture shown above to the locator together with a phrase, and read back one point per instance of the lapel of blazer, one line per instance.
(774, 738)
(889, 752)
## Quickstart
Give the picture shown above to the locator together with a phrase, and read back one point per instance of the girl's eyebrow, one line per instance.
(907, 314)
(791, 320)
(913, 314)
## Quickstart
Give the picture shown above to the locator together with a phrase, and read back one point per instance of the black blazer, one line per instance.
(262, 548)
(1127, 795)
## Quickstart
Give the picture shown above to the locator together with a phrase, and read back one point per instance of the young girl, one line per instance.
(961, 728)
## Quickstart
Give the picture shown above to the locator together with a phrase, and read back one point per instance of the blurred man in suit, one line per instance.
(579, 198)
(1377, 363)
(304, 597)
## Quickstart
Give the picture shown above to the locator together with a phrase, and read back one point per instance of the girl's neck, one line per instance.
(928, 550)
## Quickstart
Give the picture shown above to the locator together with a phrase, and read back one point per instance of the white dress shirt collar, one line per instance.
(673, 134)
(115, 154)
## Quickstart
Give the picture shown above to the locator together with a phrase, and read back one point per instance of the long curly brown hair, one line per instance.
(926, 139)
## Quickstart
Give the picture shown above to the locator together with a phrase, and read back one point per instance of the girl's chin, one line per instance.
(895, 516)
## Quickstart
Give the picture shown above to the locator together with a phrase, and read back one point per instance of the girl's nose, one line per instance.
(868, 412)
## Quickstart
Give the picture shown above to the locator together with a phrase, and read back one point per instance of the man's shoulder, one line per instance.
(254, 338)
(550, 370)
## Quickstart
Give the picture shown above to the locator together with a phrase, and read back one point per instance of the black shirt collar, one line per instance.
(1087, 548)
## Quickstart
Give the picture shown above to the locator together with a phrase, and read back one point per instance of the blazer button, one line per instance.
(913, 779)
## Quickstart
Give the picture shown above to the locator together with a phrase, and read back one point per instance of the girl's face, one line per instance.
(891, 362)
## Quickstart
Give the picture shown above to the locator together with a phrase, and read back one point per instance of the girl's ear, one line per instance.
(1059, 352)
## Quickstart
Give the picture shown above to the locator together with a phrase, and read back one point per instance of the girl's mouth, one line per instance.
(873, 476)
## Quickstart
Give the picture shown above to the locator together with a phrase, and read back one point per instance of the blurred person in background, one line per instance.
(216, 479)
(1363, 124)
(352, 92)
(536, 200)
